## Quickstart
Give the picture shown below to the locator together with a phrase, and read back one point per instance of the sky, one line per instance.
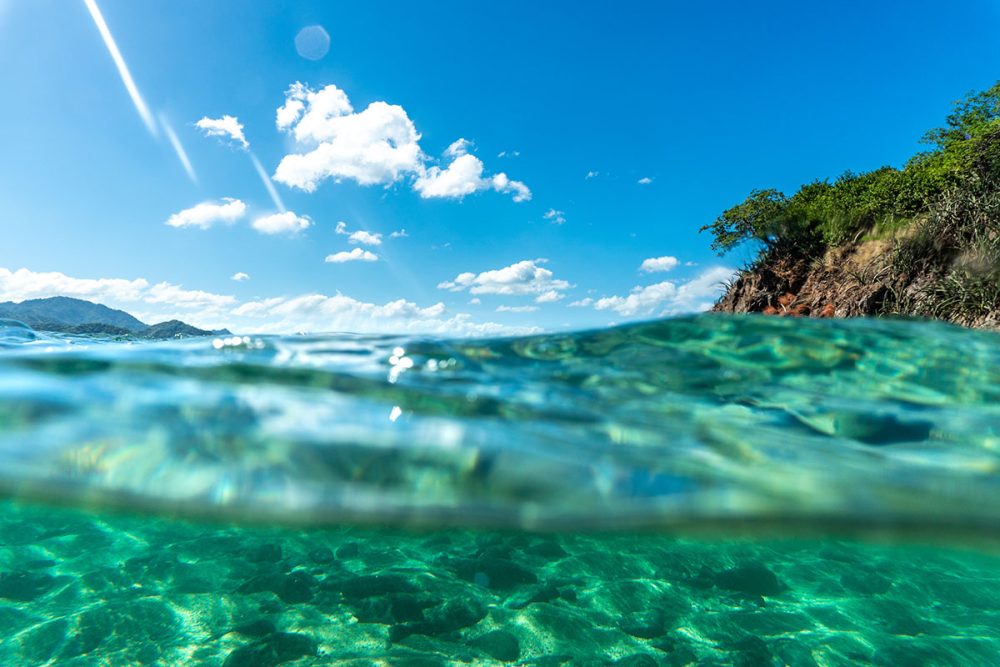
(448, 167)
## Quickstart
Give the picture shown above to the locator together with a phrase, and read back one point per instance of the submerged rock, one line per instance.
(868, 583)
(321, 556)
(293, 588)
(272, 650)
(444, 620)
(499, 644)
(348, 551)
(25, 586)
(753, 579)
(645, 625)
(265, 553)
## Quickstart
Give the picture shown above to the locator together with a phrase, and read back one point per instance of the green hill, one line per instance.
(69, 315)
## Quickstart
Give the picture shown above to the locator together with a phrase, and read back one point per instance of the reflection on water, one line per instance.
(681, 492)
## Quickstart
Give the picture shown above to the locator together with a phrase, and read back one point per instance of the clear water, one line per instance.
(700, 491)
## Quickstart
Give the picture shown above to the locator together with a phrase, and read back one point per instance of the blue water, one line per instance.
(708, 490)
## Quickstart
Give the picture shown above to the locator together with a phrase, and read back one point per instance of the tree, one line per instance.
(759, 217)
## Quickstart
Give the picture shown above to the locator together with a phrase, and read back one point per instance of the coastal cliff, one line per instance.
(919, 241)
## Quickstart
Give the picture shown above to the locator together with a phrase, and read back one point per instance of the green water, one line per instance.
(701, 491)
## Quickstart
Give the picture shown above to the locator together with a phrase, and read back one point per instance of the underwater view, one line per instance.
(648, 333)
(707, 490)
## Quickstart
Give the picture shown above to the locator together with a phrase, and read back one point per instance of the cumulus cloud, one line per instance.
(519, 190)
(516, 309)
(207, 214)
(341, 228)
(464, 176)
(281, 223)
(458, 148)
(363, 237)
(240, 277)
(549, 297)
(228, 127)
(667, 297)
(555, 217)
(377, 146)
(398, 234)
(524, 277)
(645, 180)
(658, 264)
(356, 255)
(311, 312)
(319, 312)
(116, 293)
(592, 174)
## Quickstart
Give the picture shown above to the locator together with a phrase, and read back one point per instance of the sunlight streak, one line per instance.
(178, 148)
(267, 182)
(116, 55)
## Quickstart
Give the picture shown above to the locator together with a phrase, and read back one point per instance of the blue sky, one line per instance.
(674, 111)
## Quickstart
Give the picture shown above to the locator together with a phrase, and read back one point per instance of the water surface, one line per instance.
(708, 490)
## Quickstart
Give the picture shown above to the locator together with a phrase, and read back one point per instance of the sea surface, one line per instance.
(709, 490)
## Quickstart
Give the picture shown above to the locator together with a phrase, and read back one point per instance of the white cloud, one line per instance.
(458, 148)
(356, 255)
(25, 284)
(475, 301)
(206, 214)
(582, 303)
(645, 180)
(377, 146)
(178, 297)
(398, 234)
(311, 312)
(227, 126)
(116, 293)
(318, 312)
(366, 238)
(464, 176)
(549, 297)
(281, 223)
(240, 277)
(658, 264)
(341, 228)
(592, 174)
(667, 297)
(501, 183)
(524, 277)
(516, 309)
(556, 217)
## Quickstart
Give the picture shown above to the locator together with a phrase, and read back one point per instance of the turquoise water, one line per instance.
(699, 491)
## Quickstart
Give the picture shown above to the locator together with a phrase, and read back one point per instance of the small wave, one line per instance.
(684, 423)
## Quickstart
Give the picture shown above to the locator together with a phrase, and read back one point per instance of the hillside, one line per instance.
(921, 241)
(69, 315)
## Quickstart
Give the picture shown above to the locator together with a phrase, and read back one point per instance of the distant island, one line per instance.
(65, 314)
(923, 240)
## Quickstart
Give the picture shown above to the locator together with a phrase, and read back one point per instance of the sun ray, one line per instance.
(116, 55)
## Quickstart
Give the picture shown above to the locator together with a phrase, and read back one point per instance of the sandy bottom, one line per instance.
(82, 589)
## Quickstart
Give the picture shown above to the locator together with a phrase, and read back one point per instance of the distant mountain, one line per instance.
(68, 315)
(66, 311)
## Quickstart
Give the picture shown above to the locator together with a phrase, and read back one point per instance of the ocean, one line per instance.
(704, 490)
